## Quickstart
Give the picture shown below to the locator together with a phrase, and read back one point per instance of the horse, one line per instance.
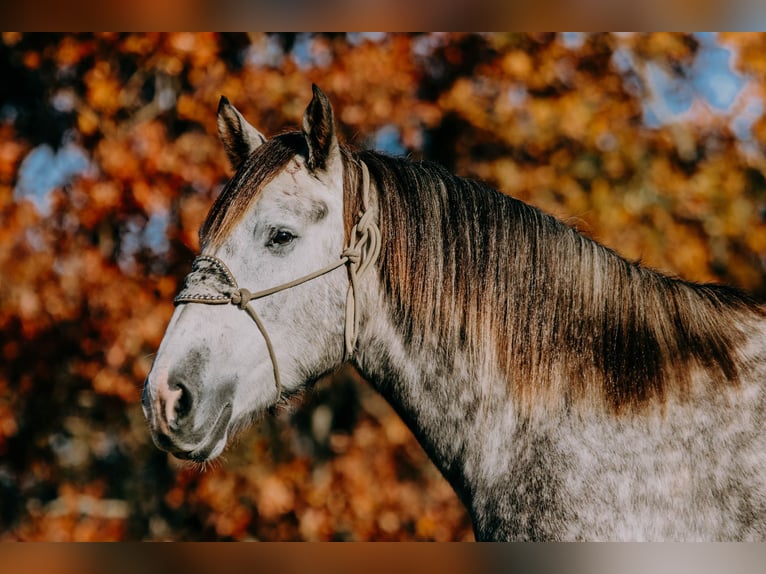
(565, 392)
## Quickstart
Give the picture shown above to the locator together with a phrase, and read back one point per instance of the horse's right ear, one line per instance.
(239, 138)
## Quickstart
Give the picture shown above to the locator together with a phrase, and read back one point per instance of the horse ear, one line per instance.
(239, 138)
(319, 129)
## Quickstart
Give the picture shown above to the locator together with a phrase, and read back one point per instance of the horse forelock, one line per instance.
(568, 320)
(263, 165)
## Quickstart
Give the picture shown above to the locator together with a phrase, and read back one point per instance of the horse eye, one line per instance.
(281, 237)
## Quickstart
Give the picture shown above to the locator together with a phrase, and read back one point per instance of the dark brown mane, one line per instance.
(561, 314)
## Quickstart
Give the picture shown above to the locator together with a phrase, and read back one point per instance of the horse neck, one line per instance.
(440, 396)
(442, 392)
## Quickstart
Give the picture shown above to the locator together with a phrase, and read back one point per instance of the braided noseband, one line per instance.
(211, 283)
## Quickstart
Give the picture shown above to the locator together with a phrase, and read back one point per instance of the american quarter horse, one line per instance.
(564, 392)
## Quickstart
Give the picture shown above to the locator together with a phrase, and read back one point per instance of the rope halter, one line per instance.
(212, 283)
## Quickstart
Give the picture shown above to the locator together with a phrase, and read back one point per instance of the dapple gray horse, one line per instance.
(564, 392)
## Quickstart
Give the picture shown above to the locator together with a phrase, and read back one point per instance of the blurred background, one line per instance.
(109, 160)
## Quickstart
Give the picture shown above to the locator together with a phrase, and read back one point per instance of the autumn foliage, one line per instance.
(109, 161)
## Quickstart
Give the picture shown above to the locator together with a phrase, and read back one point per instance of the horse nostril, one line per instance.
(183, 405)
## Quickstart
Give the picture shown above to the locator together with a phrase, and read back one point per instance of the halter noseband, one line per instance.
(212, 283)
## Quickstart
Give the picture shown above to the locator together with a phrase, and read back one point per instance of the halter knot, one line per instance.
(241, 297)
(364, 246)
(353, 254)
(366, 222)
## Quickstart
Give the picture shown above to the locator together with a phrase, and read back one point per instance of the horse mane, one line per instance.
(566, 318)
(497, 280)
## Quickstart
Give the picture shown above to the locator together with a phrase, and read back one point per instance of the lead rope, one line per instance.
(360, 255)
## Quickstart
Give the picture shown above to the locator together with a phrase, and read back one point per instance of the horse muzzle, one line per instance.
(174, 423)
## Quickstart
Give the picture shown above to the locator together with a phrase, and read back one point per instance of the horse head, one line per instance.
(279, 218)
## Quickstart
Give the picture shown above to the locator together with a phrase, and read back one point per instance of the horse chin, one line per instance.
(211, 445)
(203, 454)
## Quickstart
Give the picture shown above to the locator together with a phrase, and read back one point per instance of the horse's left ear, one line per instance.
(319, 129)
